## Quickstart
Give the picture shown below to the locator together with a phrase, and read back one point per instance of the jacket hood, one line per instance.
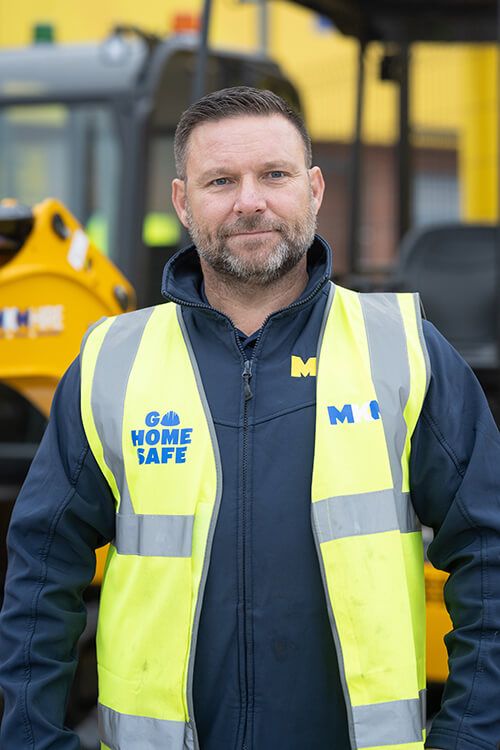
(183, 278)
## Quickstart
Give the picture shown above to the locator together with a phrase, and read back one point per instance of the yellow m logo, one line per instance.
(301, 369)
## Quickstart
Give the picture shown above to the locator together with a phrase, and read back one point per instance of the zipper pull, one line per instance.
(247, 374)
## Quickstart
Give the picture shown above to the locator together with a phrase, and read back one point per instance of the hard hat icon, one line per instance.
(170, 419)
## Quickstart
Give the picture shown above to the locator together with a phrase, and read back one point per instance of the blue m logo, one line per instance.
(354, 413)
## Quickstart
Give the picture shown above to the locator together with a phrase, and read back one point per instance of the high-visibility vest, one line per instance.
(149, 427)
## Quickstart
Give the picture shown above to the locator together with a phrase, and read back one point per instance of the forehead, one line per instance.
(244, 139)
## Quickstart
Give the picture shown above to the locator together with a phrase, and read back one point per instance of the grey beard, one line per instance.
(294, 243)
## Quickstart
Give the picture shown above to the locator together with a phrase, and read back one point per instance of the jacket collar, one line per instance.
(183, 279)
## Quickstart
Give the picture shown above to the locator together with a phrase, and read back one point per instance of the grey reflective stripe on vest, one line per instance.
(154, 535)
(390, 371)
(392, 723)
(126, 732)
(419, 313)
(112, 371)
(423, 706)
(136, 534)
(367, 513)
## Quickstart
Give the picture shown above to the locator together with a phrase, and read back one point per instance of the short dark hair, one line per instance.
(234, 102)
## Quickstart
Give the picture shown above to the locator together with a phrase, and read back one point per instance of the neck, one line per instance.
(248, 305)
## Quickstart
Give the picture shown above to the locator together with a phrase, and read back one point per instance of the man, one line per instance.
(264, 583)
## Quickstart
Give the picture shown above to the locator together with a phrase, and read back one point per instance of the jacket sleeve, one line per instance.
(455, 481)
(63, 512)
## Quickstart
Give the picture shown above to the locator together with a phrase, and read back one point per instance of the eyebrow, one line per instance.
(279, 164)
(214, 172)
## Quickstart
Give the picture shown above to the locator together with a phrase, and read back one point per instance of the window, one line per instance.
(63, 152)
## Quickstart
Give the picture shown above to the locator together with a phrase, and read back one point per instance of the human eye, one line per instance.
(276, 174)
(220, 181)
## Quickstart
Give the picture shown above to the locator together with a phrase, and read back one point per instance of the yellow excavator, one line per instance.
(54, 283)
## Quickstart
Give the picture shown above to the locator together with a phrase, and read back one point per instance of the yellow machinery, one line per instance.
(438, 624)
(54, 283)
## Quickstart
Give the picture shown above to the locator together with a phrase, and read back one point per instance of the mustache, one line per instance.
(250, 224)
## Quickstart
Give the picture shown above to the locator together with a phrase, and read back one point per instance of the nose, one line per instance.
(250, 198)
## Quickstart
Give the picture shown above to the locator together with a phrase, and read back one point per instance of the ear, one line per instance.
(179, 199)
(317, 186)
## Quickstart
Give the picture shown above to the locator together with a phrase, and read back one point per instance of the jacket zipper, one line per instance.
(247, 395)
(247, 392)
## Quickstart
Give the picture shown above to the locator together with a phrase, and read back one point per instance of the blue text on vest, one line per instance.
(164, 441)
(354, 413)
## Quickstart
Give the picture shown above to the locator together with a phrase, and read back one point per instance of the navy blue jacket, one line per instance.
(266, 674)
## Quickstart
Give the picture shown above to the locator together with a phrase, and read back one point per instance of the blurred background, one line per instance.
(66, 139)
(401, 100)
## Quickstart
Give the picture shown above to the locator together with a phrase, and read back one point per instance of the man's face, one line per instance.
(249, 201)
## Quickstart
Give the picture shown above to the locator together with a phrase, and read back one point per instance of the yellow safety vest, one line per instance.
(149, 427)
